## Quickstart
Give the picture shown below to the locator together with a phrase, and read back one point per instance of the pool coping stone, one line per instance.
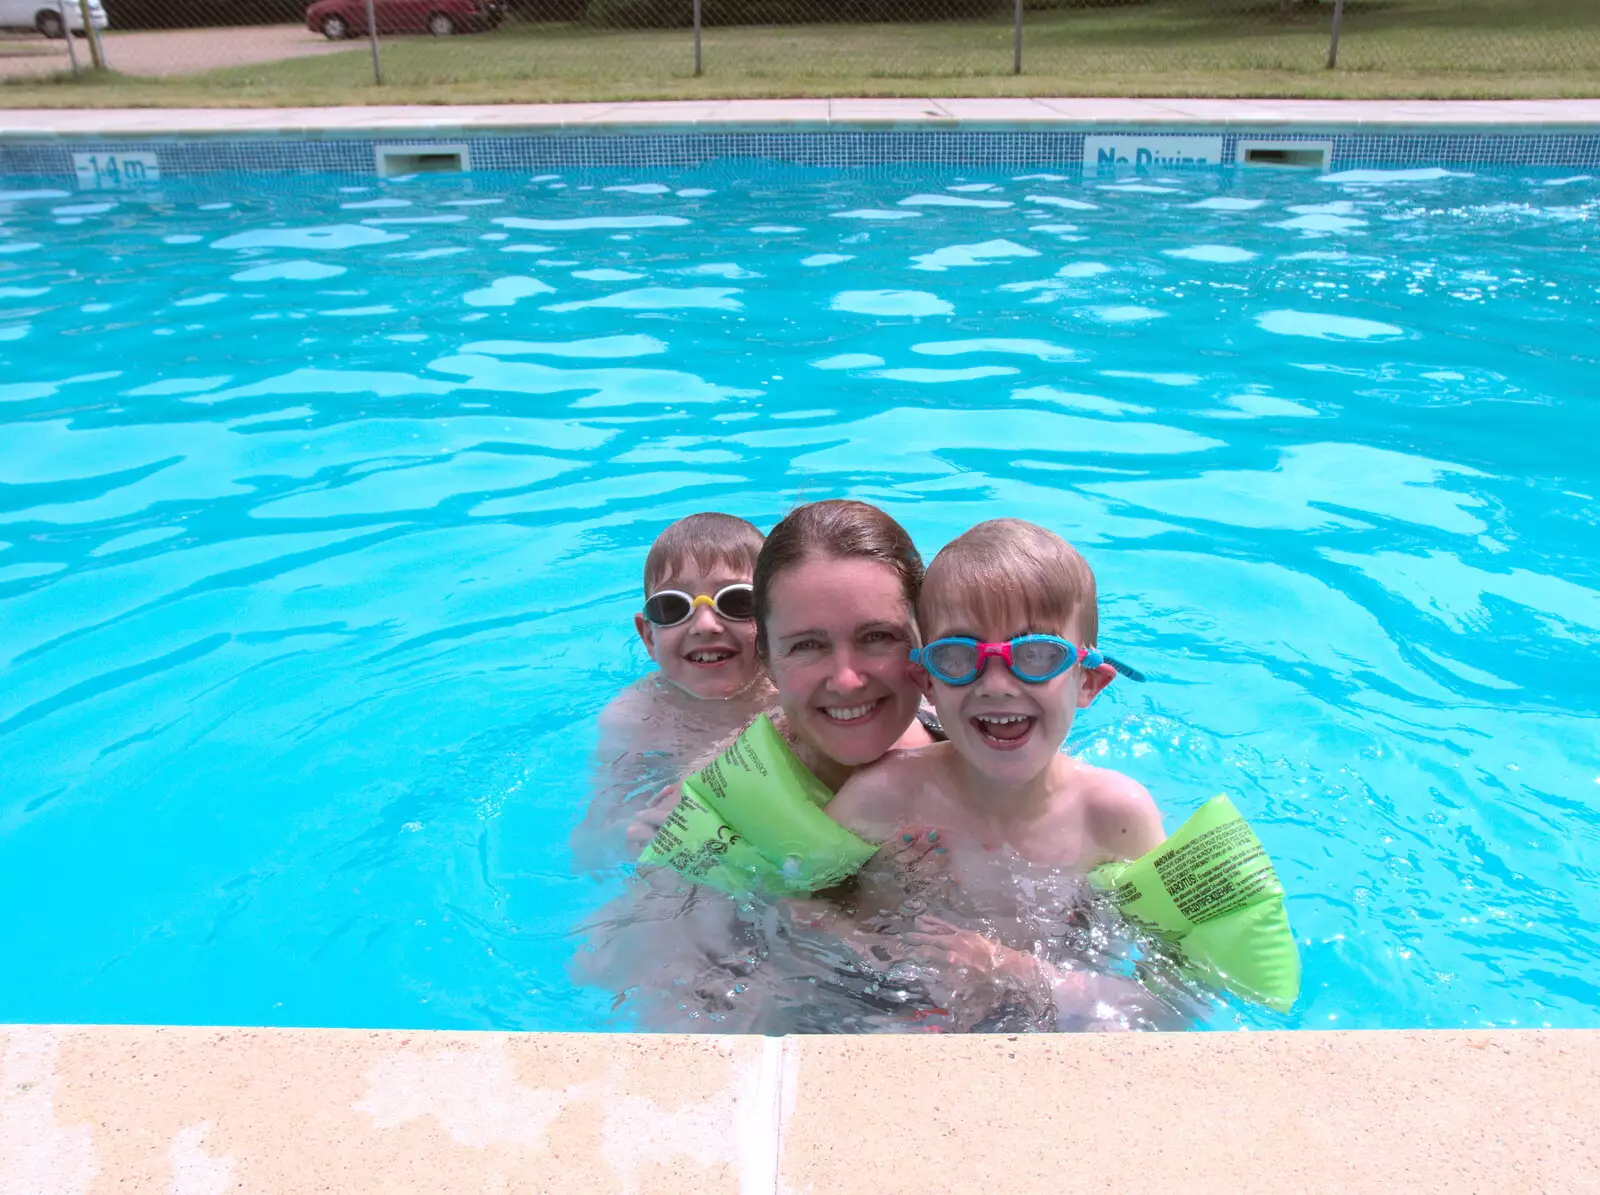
(204, 1110)
(801, 115)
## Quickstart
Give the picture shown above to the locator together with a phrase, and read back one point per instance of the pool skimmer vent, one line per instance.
(1290, 155)
(395, 161)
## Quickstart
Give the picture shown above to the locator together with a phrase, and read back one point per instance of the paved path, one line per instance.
(163, 52)
(23, 55)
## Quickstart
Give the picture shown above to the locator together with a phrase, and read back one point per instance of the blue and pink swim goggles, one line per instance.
(1032, 659)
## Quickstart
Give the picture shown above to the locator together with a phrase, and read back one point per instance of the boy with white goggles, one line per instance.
(1006, 608)
(698, 620)
(698, 626)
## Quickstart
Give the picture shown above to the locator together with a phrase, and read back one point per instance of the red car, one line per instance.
(336, 19)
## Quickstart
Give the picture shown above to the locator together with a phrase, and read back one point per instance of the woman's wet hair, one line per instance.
(837, 529)
(709, 540)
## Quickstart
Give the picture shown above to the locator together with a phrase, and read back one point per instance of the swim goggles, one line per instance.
(1032, 659)
(669, 607)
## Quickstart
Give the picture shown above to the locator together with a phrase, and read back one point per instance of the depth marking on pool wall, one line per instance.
(1126, 153)
(112, 171)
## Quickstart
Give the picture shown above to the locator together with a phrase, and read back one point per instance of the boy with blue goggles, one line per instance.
(1003, 797)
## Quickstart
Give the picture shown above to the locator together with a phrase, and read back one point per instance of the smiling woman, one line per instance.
(835, 597)
(834, 605)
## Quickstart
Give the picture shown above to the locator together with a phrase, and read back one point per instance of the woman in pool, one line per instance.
(836, 587)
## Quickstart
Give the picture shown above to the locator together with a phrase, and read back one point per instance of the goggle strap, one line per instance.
(1123, 669)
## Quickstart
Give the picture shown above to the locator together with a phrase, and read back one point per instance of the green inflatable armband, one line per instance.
(1210, 889)
(753, 819)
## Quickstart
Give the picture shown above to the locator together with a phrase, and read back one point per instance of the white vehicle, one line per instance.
(47, 16)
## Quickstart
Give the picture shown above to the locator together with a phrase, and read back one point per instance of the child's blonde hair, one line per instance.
(1012, 576)
(710, 540)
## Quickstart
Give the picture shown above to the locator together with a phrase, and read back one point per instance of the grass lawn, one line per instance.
(1412, 48)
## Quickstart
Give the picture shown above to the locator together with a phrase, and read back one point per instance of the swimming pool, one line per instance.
(324, 503)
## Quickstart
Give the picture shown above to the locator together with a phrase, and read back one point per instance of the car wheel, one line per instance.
(440, 25)
(49, 23)
(335, 28)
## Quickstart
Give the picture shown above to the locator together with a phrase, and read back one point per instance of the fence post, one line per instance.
(1016, 41)
(1333, 39)
(696, 38)
(97, 54)
(66, 35)
(372, 35)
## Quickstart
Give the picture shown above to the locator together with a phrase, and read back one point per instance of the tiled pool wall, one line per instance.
(182, 156)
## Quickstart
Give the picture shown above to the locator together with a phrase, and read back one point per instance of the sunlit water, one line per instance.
(323, 507)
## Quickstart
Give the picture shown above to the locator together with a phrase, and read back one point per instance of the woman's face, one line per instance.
(839, 636)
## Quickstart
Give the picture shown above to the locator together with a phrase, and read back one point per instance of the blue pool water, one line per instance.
(323, 506)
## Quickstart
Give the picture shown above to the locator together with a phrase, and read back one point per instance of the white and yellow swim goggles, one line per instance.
(669, 607)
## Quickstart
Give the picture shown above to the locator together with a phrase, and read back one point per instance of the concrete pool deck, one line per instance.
(197, 1111)
(809, 114)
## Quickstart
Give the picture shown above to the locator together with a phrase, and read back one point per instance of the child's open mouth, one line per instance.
(1004, 732)
(851, 715)
(710, 657)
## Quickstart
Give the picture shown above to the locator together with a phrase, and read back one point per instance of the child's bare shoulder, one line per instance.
(878, 797)
(630, 704)
(1121, 816)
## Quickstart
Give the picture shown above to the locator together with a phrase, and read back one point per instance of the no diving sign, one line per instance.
(1134, 154)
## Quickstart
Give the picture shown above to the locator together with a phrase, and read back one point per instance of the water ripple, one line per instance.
(305, 619)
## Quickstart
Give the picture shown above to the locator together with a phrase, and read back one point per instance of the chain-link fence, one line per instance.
(318, 51)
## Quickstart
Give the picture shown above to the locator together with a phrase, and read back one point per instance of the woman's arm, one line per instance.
(983, 976)
(655, 812)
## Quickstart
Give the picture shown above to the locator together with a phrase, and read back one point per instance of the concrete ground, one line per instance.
(26, 55)
(1257, 117)
(160, 52)
(190, 1110)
